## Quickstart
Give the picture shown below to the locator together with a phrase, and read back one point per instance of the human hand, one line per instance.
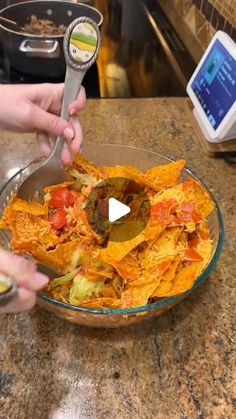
(28, 279)
(35, 108)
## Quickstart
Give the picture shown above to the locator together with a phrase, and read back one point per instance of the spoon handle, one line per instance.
(81, 45)
(73, 82)
(12, 22)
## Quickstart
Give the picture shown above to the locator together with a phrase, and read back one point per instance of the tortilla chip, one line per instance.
(65, 184)
(138, 296)
(85, 166)
(203, 203)
(33, 207)
(99, 274)
(152, 232)
(171, 194)
(19, 205)
(128, 268)
(163, 248)
(29, 231)
(60, 258)
(183, 281)
(109, 292)
(127, 229)
(203, 230)
(116, 251)
(162, 290)
(204, 248)
(128, 172)
(102, 303)
(166, 280)
(165, 176)
(153, 273)
(84, 229)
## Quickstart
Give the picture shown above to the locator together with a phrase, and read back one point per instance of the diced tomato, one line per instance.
(62, 197)
(161, 211)
(186, 212)
(58, 220)
(72, 196)
(192, 255)
(187, 206)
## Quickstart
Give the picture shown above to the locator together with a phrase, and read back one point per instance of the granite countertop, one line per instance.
(180, 365)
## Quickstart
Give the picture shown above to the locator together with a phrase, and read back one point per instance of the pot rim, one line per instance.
(44, 1)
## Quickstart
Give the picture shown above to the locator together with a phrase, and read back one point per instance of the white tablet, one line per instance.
(212, 89)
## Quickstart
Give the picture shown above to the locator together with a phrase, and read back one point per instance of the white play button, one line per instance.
(116, 210)
(112, 209)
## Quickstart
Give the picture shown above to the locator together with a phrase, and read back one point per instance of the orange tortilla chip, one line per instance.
(183, 281)
(65, 184)
(99, 274)
(204, 249)
(153, 273)
(19, 205)
(203, 203)
(85, 166)
(29, 231)
(128, 172)
(162, 290)
(167, 280)
(130, 228)
(138, 296)
(203, 230)
(116, 251)
(109, 292)
(60, 258)
(152, 232)
(163, 248)
(165, 176)
(102, 303)
(84, 229)
(128, 268)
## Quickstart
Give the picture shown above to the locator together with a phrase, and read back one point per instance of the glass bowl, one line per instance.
(107, 154)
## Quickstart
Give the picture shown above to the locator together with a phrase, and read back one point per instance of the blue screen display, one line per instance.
(215, 84)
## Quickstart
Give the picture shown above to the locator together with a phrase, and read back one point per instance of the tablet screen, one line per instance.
(215, 84)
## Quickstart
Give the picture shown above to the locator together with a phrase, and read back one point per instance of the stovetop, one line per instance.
(132, 62)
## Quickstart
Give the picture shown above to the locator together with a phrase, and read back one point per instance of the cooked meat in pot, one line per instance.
(37, 26)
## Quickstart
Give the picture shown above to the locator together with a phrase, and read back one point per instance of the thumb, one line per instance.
(23, 270)
(52, 124)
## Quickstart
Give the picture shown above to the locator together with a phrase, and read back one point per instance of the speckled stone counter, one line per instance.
(180, 365)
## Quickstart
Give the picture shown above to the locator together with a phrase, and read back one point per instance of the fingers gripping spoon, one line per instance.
(81, 46)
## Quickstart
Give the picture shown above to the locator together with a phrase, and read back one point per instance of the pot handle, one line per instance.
(40, 48)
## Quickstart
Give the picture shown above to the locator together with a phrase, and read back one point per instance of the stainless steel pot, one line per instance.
(40, 55)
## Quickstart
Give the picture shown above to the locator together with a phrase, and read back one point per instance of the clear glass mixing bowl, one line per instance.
(107, 154)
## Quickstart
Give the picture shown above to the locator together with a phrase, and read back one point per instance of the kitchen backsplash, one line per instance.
(205, 17)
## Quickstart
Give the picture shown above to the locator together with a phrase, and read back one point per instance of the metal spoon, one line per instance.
(8, 289)
(6, 20)
(81, 45)
(10, 23)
